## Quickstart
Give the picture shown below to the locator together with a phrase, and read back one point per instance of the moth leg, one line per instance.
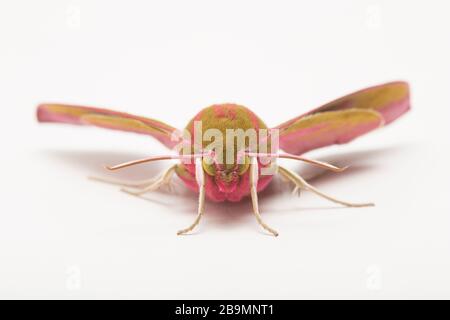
(254, 194)
(163, 179)
(300, 183)
(200, 177)
(124, 183)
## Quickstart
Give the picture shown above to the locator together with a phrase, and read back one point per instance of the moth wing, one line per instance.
(327, 128)
(346, 118)
(109, 119)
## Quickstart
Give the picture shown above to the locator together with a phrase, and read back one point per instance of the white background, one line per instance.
(63, 236)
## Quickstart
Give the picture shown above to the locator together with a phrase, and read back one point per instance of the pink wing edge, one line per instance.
(45, 115)
(389, 113)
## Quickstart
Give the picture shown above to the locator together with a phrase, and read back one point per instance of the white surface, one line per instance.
(63, 236)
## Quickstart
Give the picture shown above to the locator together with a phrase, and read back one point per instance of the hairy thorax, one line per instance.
(225, 131)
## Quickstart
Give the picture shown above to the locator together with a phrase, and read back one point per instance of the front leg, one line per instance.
(300, 183)
(163, 179)
(254, 174)
(200, 177)
(140, 187)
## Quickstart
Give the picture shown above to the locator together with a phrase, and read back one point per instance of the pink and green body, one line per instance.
(224, 181)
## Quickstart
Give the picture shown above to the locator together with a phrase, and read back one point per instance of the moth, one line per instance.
(249, 167)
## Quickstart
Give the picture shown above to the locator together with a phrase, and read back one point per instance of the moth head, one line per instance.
(226, 175)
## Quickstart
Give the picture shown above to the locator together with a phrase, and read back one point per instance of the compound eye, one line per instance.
(244, 167)
(208, 165)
